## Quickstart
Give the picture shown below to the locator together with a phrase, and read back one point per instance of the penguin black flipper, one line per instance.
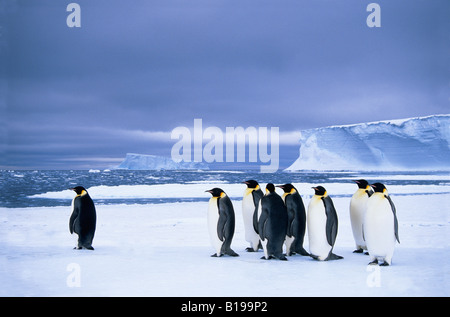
(332, 220)
(262, 223)
(226, 224)
(395, 217)
(289, 201)
(255, 220)
(257, 195)
(222, 224)
(299, 227)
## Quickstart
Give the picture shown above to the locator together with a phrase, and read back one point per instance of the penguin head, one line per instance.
(215, 192)
(362, 183)
(252, 184)
(270, 188)
(287, 187)
(79, 190)
(379, 188)
(319, 190)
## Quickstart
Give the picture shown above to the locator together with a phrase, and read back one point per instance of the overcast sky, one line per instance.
(84, 97)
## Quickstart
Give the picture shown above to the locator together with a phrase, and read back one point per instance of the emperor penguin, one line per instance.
(272, 224)
(380, 226)
(296, 220)
(83, 218)
(322, 223)
(250, 203)
(221, 222)
(358, 206)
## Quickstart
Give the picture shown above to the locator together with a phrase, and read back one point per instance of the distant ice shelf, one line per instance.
(420, 143)
(135, 161)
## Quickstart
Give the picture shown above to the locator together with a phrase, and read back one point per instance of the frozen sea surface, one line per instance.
(162, 249)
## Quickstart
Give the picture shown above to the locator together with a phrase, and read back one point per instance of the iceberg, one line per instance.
(135, 161)
(420, 143)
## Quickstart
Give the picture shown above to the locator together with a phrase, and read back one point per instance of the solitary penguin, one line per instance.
(272, 224)
(380, 226)
(358, 206)
(322, 226)
(250, 203)
(296, 220)
(83, 218)
(221, 222)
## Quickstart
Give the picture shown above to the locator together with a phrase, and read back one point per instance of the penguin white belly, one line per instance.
(213, 219)
(379, 229)
(248, 208)
(358, 207)
(288, 242)
(264, 246)
(316, 221)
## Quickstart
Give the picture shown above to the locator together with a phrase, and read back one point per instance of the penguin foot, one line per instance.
(333, 256)
(366, 253)
(231, 253)
(358, 251)
(216, 256)
(250, 249)
(83, 248)
(315, 257)
(281, 257)
(374, 262)
(384, 264)
(302, 251)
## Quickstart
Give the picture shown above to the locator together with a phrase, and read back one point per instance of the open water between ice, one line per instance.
(44, 188)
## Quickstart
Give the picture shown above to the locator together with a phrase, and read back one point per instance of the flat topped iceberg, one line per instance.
(408, 144)
(153, 162)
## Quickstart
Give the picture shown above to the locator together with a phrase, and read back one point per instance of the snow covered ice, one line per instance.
(410, 144)
(163, 249)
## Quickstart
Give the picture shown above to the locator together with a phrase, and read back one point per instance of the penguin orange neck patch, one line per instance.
(82, 193)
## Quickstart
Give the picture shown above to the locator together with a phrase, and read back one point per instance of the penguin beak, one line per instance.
(208, 191)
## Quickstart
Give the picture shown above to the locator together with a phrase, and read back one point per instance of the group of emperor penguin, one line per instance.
(271, 221)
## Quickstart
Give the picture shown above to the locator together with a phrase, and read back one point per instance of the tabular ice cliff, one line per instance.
(409, 144)
(153, 162)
